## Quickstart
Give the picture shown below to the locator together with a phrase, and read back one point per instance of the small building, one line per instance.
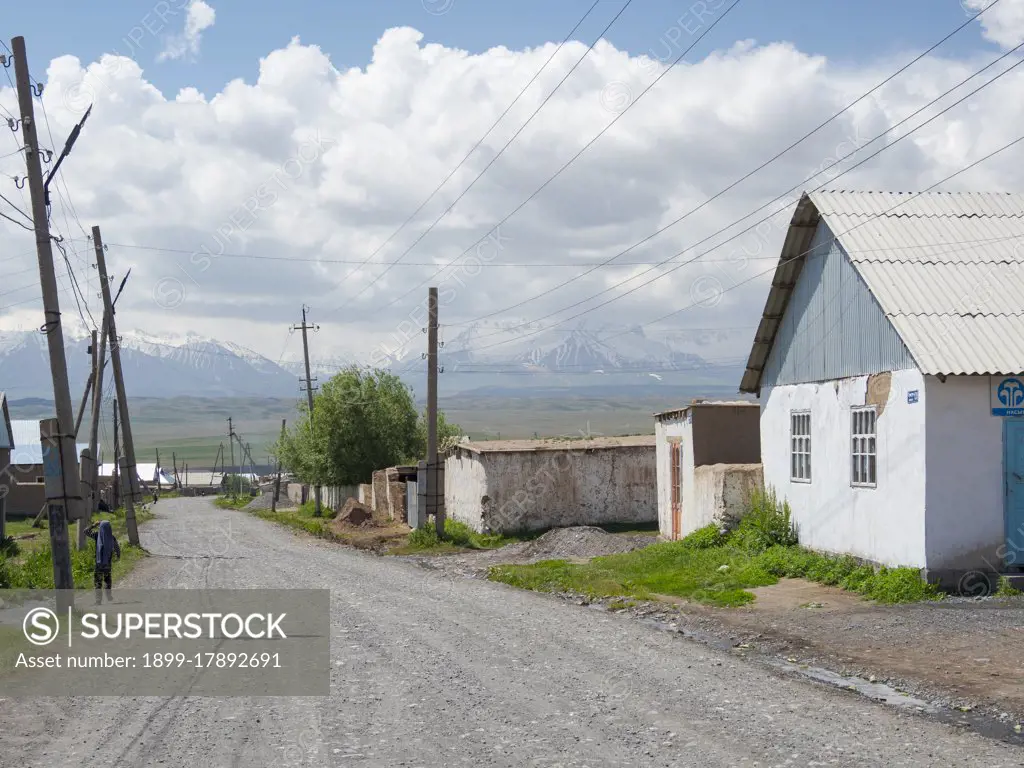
(888, 363)
(709, 460)
(504, 486)
(27, 493)
(7, 445)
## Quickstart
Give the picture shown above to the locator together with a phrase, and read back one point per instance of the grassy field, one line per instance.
(191, 429)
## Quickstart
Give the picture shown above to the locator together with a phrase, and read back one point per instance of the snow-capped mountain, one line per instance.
(483, 355)
(191, 365)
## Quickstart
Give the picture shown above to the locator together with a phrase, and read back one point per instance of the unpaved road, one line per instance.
(434, 671)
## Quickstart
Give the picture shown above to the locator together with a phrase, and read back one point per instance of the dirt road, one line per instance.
(430, 671)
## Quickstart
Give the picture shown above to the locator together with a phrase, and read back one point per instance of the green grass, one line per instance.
(458, 537)
(31, 567)
(232, 502)
(1006, 589)
(719, 569)
(301, 519)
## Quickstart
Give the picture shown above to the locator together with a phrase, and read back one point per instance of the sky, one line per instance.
(245, 159)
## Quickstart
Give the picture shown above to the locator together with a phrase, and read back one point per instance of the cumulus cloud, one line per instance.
(199, 16)
(309, 166)
(1004, 24)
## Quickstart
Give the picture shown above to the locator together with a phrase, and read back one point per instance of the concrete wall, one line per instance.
(965, 527)
(335, 496)
(466, 494)
(297, 493)
(720, 492)
(496, 491)
(884, 524)
(25, 500)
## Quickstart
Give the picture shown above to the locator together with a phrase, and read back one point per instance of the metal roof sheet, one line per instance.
(28, 449)
(945, 267)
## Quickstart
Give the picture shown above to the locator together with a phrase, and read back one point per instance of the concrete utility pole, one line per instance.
(88, 385)
(231, 442)
(99, 361)
(277, 482)
(309, 391)
(66, 503)
(131, 472)
(115, 475)
(434, 507)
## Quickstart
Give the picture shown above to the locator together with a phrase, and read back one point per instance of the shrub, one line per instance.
(424, 537)
(1006, 589)
(458, 533)
(766, 523)
(9, 547)
(900, 585)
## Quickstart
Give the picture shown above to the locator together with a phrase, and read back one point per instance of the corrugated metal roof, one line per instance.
(557, 444)
(946, 268)
(702, 404)
(28, 449)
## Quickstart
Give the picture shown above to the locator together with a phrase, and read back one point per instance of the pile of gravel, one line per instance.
(581, 542)
(263, 501)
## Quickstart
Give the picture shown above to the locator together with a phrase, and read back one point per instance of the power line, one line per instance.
(557, 173)
(756, 170)
(834, 239)
(300, 260)
(494, 159)
(476, 146)
(787, 192)
(15, 221)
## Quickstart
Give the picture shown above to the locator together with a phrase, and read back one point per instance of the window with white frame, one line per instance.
(863, 433)
(800, 446)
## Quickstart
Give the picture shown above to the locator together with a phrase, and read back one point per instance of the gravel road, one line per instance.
(430, 670)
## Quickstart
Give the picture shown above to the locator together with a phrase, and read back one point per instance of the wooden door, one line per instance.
(676, 477)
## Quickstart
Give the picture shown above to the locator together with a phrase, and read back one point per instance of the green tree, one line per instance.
(363, 421)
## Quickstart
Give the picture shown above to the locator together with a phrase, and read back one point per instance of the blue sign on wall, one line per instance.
(1007, 396)
(912, 396)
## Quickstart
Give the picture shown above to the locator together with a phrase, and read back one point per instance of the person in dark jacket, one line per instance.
(107, 549)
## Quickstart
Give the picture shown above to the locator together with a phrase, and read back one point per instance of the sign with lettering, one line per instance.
(912, 396)
(1006, 395)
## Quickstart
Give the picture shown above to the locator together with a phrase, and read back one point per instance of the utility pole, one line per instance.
(116, 473)
(68, 497)
(277, 482)
(158, 472)
(231, 442)
(132, 478)
(88, 385)
(309, 391)
(433, 492)
(99, 361)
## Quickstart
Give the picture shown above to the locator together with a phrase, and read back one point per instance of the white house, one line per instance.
(888, 364)
(708, 456)
(498, 486)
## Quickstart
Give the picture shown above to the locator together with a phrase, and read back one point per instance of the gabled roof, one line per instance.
(945, 267)
(6, 433)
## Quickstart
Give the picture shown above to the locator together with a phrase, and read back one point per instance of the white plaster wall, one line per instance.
(885, 524)
(720, 491)
(964, 448)
(545, 489)
(465, 489)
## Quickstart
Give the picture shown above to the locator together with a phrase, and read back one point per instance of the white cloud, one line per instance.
(316, 164)
(1004, 24)
(199, 16)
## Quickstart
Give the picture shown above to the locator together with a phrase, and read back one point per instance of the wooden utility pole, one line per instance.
(158, 472)
(433, 491)
(132, 473)
(98, 363)
(277, 482)
(115, 475)
(174, 462)
(309, 390)
(67, 498)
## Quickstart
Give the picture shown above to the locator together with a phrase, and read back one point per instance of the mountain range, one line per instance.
(492, 356)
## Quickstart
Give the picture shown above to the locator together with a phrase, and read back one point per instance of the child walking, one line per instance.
(107, 549)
